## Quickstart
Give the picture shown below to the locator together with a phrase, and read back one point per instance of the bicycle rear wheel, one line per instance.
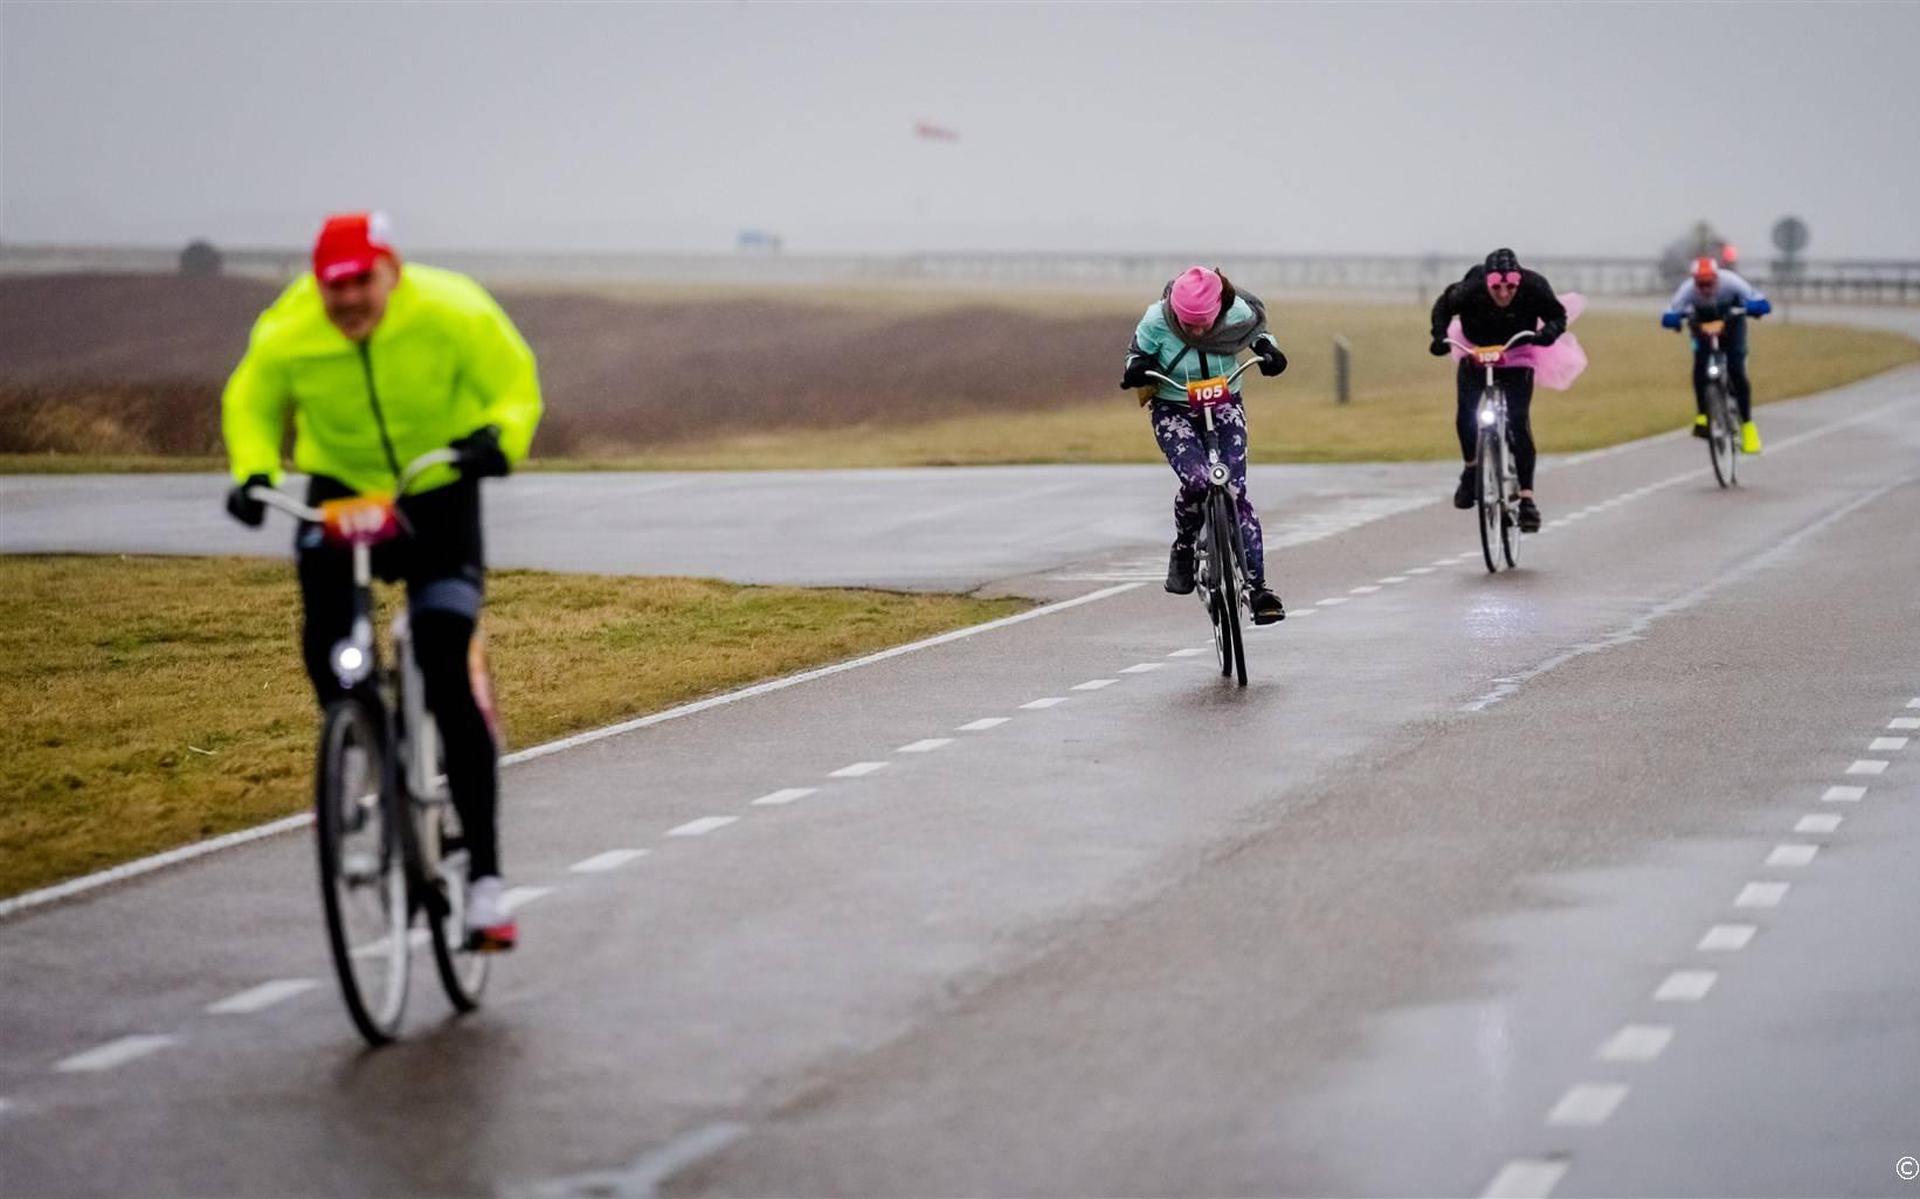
(463, 973)
(1723, 440)
(363, 873)
(1226, 542)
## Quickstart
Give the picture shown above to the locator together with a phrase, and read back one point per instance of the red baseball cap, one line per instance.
(349, 244)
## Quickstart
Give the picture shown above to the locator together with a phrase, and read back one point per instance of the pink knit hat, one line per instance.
(1196, 296)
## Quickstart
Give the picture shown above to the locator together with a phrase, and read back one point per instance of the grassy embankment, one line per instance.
(1635, 386)
(153, 702)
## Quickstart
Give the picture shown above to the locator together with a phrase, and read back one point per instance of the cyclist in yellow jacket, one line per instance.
(379, 363)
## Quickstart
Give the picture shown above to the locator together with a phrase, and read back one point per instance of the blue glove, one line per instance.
(1759, 306)
(1669, 320)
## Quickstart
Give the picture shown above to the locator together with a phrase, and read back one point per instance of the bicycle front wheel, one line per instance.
(1723, 439)
(1226, 541)
(1509, 513)
(363, 875)
(1488, 479)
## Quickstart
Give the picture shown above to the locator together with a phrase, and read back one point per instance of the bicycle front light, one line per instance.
(1713, 372)
(351, 663)
(1486, 416)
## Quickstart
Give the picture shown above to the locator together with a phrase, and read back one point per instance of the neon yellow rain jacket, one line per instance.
(444, 361)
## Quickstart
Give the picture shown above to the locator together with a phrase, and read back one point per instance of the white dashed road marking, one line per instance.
(1186, 653)
(784, 795)
(1527, 1178)
(1094, 684)
(1049, 702)
(255, 999)
(1636, 1043)
(1728, 937)
(1761, 895)
(1420, 570)
(1143, 667)
(1792, 855)
(114, 1053)
(613, 859)
(926, 746)
(702, 826)
(1331, 600)
(1904, 722)
(1844, 794)
(857, 770)
(516, 898)
(1686, 986)
(1883, 744)
(1587, 1105)
(1818, 824)
(1367, 590)
(1392, 579)
(983, 724)
(1868, 766)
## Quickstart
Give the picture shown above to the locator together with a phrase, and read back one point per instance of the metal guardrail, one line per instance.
(1849, 281)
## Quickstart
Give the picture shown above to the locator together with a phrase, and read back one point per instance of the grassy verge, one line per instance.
(155, 701)
(1402, 404)
(1402, 408)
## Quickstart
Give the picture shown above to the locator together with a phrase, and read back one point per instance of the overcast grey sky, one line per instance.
(1394, 127)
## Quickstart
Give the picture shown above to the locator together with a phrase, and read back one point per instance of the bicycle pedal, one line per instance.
(492, 940)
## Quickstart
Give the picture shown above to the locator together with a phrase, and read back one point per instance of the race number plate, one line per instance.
(1209, 393)
(1486, 354)
(360, 520)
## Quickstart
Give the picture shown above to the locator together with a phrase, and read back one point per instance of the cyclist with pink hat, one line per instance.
(1194, 332)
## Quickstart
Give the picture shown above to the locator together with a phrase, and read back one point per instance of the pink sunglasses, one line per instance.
(1496, 279)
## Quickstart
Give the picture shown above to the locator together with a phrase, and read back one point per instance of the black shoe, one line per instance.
(1180, 570)
(1700, 428)
(1463, 495)
(1529, 515)
(1266, 607)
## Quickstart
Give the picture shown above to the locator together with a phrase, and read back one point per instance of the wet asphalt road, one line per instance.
(1477, 886)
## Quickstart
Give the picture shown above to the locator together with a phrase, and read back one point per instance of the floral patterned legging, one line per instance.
(1181, 434)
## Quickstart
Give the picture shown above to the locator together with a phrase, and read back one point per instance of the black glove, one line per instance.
(481, 456)
(1272, 361)
(243, 507)
(1136, 375)
(1438, 347)
(1548, 334)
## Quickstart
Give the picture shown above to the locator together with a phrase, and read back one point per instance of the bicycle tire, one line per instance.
(1509, 509)
(1226, 541)
(463, 973)
(363, 868)
(1722, 443)
(1488, 484)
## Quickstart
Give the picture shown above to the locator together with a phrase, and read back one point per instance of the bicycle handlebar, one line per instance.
(273, 497)
(1237, 372)
(1473, 351)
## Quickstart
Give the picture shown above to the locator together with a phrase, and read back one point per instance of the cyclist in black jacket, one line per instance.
(1494, 301)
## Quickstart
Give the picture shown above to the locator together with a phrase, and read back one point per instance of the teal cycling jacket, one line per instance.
(1176, 359)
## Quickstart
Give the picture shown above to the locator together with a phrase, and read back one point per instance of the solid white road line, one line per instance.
(1587, 1105)
(1686, 986)
(515, 898)
(925, 746)
(1904, 722)
(1725, 938)
(857, 770)
(1761, 895)
(983, 724)
(1636, 1043)
(1792, 855)
(255, 999)
(1844, 794)
(784, 795)
(702, 826)
(114, 1053)
(1143, 667)
(1883, 744)
(1868, 766)
(1526, 1178)
(1817, 823)
(1049, 702)
(1094, 684)
(600, 863)
(186, 853)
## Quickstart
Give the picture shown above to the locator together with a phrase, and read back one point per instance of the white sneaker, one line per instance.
(489, 925)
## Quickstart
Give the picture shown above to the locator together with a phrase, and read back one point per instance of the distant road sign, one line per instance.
(1790, 235)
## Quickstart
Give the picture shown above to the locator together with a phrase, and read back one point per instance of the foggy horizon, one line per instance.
(572, 129)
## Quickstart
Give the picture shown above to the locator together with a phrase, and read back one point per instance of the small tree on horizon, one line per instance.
(200, 260)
